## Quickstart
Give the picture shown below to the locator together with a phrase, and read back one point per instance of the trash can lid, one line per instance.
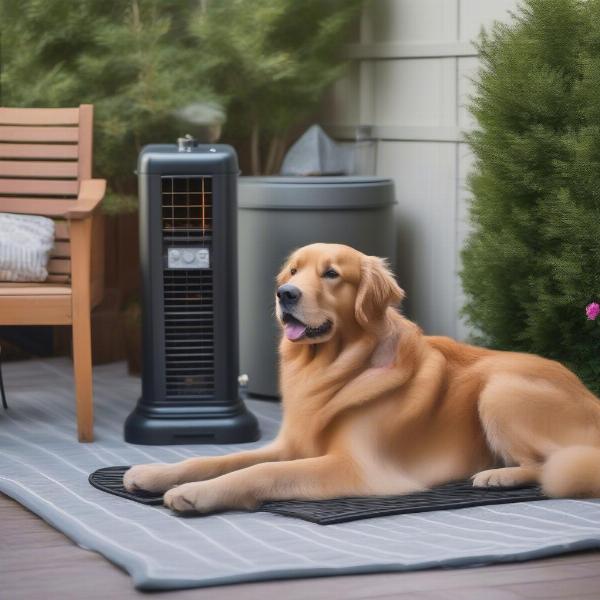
(315, 193)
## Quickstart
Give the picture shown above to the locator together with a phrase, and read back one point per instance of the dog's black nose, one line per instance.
(288, 295)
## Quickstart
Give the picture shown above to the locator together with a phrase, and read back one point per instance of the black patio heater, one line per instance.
(188, 248)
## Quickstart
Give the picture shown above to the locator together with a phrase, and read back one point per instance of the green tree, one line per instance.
(128, 57)
(532, 262)
(270, 62)
(138, 61)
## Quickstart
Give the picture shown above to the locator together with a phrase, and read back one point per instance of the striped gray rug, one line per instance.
(44, 468)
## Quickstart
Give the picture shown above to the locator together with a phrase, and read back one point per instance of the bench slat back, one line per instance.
(44, 154)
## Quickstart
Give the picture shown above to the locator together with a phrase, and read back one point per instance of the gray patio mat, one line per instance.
(44, 468)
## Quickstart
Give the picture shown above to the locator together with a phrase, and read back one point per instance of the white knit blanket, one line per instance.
(25, 244)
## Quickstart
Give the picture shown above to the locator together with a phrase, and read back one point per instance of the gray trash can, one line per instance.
(280, 214)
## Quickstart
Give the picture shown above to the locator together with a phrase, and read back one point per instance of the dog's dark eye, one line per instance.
(331, 274)
(293, 271)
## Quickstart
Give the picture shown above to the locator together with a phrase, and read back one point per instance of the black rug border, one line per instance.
(142, 498)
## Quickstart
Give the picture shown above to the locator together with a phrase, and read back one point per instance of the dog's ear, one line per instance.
(376, 291)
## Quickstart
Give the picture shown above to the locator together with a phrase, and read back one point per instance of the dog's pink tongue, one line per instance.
(294, 331)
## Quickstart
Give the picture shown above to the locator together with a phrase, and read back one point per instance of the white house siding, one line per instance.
(410, 80)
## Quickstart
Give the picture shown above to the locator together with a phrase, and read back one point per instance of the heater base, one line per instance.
(142, 427)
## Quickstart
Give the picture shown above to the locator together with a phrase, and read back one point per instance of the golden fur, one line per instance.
(375, 407)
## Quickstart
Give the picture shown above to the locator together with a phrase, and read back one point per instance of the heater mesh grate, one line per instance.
(188, 293)
(186, 208)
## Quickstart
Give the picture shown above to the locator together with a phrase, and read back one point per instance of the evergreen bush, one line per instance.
(532, 262)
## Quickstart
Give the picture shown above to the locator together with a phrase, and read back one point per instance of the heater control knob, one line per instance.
(188, 257)
(175, 254)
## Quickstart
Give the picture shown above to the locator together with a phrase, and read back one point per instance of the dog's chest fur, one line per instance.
(311, 378)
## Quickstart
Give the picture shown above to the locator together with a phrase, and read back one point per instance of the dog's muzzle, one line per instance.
(296, 329)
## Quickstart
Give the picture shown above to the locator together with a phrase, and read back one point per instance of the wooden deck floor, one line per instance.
(39, 563)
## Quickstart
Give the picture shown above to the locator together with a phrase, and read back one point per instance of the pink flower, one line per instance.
(592, 311)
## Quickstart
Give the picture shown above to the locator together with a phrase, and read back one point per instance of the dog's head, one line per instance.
(327, 288)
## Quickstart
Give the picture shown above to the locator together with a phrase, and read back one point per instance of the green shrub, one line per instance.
(532, 262)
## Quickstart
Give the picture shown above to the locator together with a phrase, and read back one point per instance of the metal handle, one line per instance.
(186, 143)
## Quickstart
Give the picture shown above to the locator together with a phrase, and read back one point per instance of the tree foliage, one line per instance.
(138, 61)
(271, 62)
(532, 262)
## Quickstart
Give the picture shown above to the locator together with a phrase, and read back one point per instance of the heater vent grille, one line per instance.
(186, 209)
(188, 293)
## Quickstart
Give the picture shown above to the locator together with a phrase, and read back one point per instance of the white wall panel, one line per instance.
(342, 104)
(426, 218)
(463, 228)
(418, 107)
(465, 166)
(413, 21)
(415, 92)
(475, 14)
(468, 68)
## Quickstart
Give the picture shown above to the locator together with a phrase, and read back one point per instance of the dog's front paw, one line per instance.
(192, 497)
(151, 478)
(207, 497)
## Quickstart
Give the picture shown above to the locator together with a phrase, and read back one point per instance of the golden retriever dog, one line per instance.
(371, 406)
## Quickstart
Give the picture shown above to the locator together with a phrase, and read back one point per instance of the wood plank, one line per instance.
(61, 249)
(49, 207)
(10, 133)
(52, 151)
(59, 266)
(61, 230)
(51, 309)
(86, 138)
(30, 168)
(62, 279)
(39, 116)
(8, 288)
(43, 187)
(580, 588)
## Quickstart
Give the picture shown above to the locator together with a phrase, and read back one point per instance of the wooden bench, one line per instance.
(46, 169)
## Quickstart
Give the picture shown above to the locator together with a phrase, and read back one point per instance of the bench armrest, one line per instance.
(91, 193)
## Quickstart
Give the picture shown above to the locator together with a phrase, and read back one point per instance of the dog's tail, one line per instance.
(572, 472)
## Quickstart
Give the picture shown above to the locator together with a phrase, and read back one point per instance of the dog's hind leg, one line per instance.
(511, 413)
(525, 420)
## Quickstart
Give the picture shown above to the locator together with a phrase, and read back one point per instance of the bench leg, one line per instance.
(82, 339)
(82, 367)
